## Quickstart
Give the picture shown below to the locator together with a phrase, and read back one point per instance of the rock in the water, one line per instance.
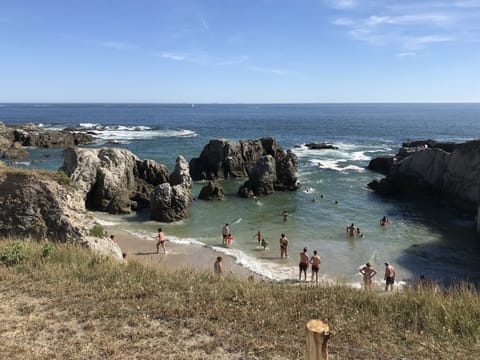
(382, 164)
(321, 146)
(212, 191)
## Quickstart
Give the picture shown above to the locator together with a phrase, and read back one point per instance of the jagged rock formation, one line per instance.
(170, 201)
(17, 136)
(321, 146)
(40, 206)
(113, 180)
(221, 159)
(383, 164)
(452, 177)
(268, 167)
(270, 175)
(212, 191)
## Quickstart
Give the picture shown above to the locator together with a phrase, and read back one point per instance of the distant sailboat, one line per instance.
(193, 105)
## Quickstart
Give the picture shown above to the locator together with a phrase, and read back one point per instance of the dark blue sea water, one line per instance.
(422, 238)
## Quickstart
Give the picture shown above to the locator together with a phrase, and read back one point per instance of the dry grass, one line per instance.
(72, 304)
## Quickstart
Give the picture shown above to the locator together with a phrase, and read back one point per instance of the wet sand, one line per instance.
(178, 257)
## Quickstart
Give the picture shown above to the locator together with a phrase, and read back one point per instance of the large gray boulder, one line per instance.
(212, 191)
(221, 159)
(170, 201)
(113, 180)
(41, 206)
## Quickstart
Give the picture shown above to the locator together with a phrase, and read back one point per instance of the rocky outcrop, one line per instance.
(212, 191)
(384, 164)
(451, 177)
(113, 180)
(262, 179)
(270, 175)
(41, 206)
(321, 146)
(170, 201)
(13, 138)
(221, 159)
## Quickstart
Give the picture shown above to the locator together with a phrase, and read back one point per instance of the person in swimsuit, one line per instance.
(384, 221)
(161, 241)
(303, 265)
(229, 239)
(389, 276)
(225, 232)
(217, 267)
(285, 215)
(315, 261)
(368, 273)
(259, 236)
(283, 246)
(264, 244)
(351, 230)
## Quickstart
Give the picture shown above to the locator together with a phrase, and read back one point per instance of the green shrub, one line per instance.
(47, 250)
(11, 255)
(63, 179)
(97, 231)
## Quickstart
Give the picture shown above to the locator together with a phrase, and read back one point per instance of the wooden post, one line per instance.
(318, 334)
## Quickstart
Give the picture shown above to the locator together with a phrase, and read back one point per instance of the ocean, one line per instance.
(423, 238)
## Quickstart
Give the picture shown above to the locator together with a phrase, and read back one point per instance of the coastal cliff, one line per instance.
(452, 177)
(41, 205)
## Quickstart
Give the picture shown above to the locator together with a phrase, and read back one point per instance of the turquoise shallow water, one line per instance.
(422, 238)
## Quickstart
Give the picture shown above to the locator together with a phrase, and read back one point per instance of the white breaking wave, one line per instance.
(123, 133)
(335, 165)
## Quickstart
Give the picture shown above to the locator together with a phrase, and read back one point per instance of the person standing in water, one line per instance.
(225, 232)
(259, 236)
(283, 246)
(315, 261)
(285, 215)
(303, 265)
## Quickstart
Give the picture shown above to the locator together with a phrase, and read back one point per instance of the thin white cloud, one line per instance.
(406, 54)
(171, 56)
(235, 61)
(274, 71)
(117, 45)
(419, 42)
(343, 4)
(204, 23)
(410, 25)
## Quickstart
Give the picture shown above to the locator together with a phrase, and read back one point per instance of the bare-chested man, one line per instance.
(303, 265)
(315, 261)
(389, 276)
(368, 273)
(283, 246)
(161, 241)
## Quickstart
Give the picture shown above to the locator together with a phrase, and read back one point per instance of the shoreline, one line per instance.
(179, 256)
(200, 258)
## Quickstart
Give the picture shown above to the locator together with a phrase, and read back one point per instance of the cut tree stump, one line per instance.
(318, 334)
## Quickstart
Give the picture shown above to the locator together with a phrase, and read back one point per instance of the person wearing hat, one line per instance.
(389, 276)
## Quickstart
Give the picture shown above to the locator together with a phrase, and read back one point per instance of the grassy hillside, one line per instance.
(63, 302)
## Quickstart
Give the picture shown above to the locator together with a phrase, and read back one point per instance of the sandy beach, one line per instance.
(179, 256)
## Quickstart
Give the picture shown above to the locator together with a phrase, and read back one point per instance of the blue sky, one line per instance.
(239, 51)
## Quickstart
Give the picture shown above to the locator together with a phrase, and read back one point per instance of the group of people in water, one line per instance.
(305, 260)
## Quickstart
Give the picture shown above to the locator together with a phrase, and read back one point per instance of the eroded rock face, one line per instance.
(40, 208)
(170, 201)
(452, 177)
(113, 180)
(221, 159)
(212, 191)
